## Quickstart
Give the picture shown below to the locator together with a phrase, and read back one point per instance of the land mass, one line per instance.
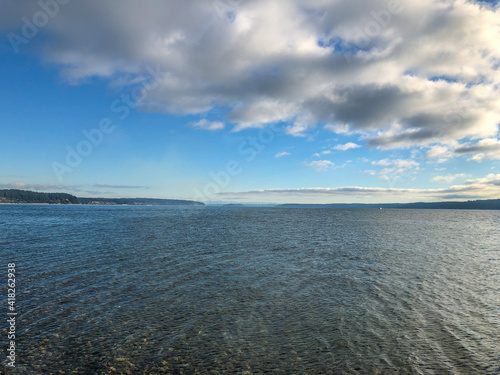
(24, 196)
(487, 204)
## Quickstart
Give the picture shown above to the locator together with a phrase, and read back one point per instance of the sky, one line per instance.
(288, 101)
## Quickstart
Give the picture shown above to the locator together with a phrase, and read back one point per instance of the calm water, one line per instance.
(158, 290)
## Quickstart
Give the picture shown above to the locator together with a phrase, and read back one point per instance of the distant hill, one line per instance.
(487, 204)
(24, 196)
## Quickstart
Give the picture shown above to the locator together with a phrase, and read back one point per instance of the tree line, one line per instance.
(24, 196)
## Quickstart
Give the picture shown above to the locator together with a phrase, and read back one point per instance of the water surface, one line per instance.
(253, 290)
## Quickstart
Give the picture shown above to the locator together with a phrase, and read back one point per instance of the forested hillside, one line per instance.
(24, 196)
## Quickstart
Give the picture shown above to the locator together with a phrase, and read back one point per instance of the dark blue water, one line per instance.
(157, 290)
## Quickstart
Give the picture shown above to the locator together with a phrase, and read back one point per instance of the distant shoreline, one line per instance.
(487, 204)
(14, 196)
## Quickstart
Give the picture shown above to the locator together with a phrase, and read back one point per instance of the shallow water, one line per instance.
(251, 290)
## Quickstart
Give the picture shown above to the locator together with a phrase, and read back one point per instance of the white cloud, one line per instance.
(398, 163)
(281, 154)
(208, 125)
(297, 129)
(395, 168)
(448, 178)
(442, 153)
(491, 179)
(324, 152)
(321, 165)
(338, 128)
(346, 146)
(485, 149)
(483, 188)
(428, 76)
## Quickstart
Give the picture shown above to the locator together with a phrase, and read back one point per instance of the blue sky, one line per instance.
(252, 101)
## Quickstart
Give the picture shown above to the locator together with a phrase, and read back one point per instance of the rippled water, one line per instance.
(252, 290)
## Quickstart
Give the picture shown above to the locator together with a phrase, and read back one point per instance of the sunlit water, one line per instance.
(150, 290)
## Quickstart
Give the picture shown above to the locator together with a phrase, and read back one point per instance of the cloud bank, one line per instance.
(399, 73)
(483, 188)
